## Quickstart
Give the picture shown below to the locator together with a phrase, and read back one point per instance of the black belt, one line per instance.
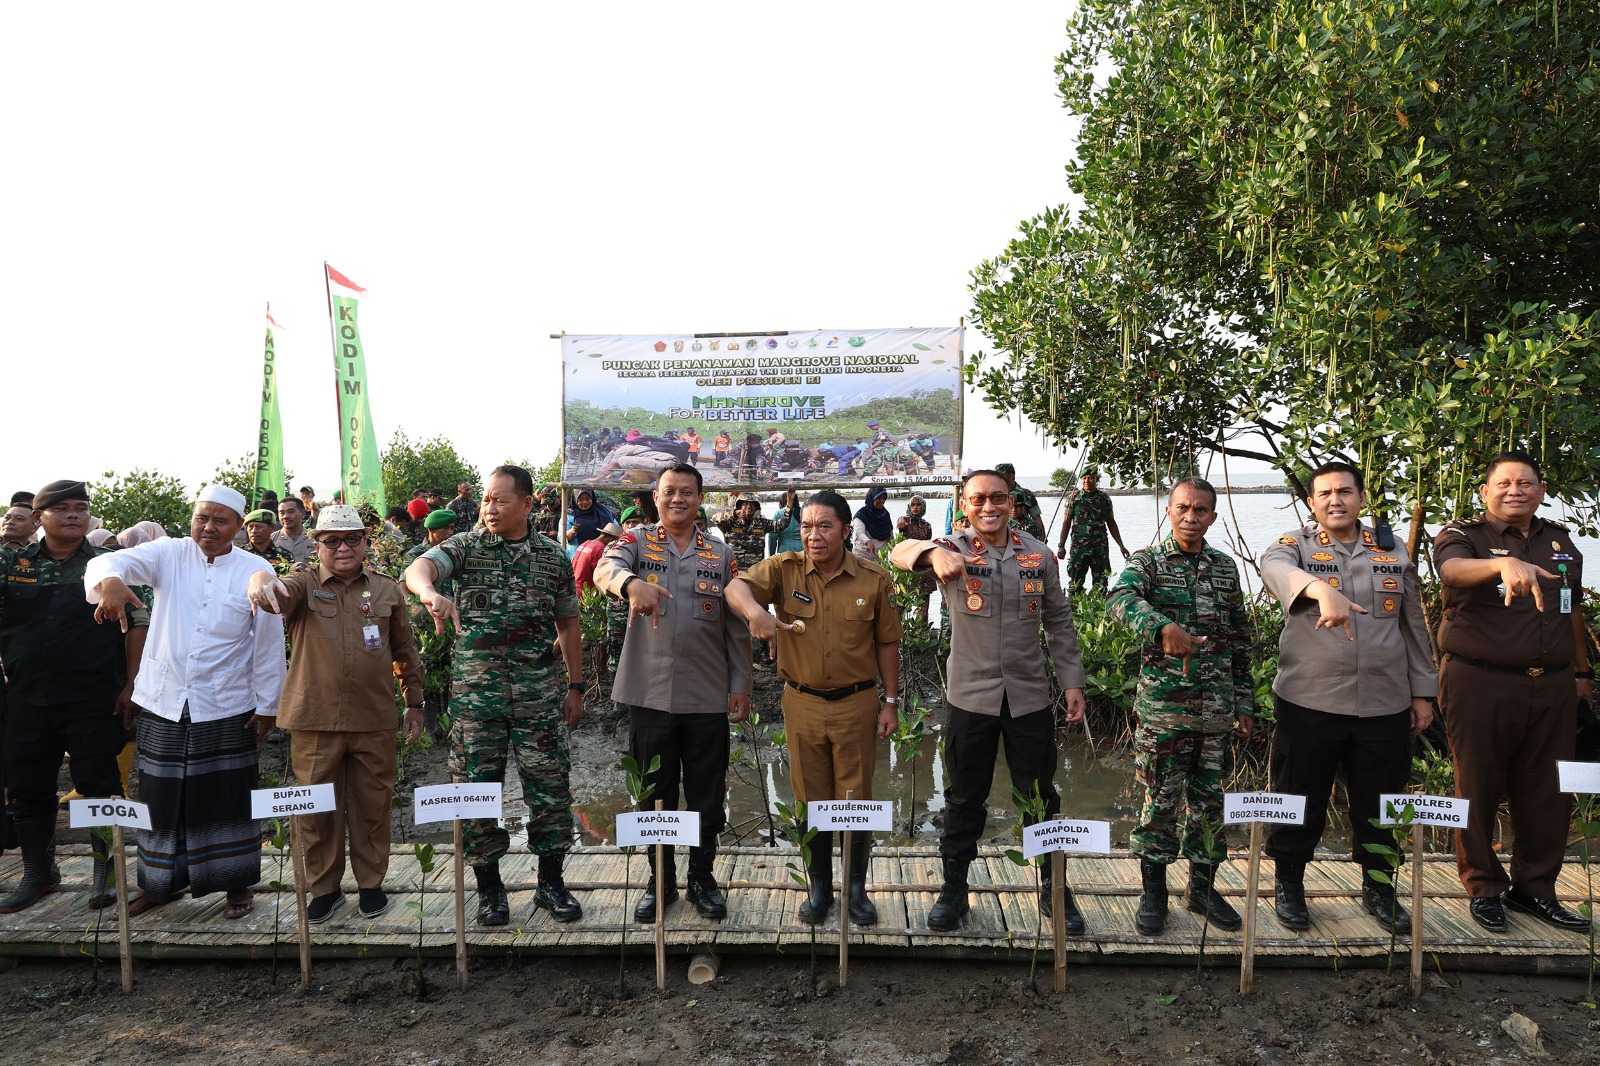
(831, 694)
(1525, 671)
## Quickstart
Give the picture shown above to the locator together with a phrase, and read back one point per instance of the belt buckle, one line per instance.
(1535, 671)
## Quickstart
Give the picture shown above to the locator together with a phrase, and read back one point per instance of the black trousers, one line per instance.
(971, 742)
(35, 739)
(694, 756)
(1310, 748)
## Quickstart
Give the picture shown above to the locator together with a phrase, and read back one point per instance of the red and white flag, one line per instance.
(338, 280)
(272, 323)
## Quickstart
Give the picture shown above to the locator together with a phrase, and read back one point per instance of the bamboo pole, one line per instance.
(844, 905)
(1058, 919)
(457, 838)
(302, 923)
(1416, 909)
(1247, 960)
(124, 934)
(661, 914)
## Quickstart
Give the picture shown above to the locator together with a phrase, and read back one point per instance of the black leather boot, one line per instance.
(645, 909)
(820, 877)
(862, 910)
(1204, 898)
(1070, 914)
(952, 904)
(552, 892)
(494, 906)
(40, 874)
(1289, 895)
(703, 892)
(1151, 917)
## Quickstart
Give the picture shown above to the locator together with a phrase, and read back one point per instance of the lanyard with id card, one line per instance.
(369, 632)
(1566, 590)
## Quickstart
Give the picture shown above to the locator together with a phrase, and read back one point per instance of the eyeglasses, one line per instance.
(351, 540)
(998, 499)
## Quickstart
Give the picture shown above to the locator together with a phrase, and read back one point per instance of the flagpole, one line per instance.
(333, 350)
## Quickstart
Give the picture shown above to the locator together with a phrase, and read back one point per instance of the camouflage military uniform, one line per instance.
(889, 459)
(1184, 719)
(1087, 515)
(747, 539)
(281, 562)
(1029, 519)
(548, 523)
(508, 682)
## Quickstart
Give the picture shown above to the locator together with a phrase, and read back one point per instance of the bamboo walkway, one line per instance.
(763, 898)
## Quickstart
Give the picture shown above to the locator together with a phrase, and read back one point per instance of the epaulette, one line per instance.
(1556, 525)
(1458, 524)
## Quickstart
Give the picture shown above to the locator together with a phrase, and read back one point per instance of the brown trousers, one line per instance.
(361, 768)
(1506, 733)
(833, 745)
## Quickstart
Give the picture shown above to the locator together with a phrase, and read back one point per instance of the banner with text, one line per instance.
(360, 473)
(813, 407)
(269, 448)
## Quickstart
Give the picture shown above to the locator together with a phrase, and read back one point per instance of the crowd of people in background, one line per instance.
(171, 646)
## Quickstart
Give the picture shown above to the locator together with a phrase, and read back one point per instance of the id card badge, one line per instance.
(1566, 599)
(370, 638)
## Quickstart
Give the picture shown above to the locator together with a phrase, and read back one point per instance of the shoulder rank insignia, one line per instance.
(1367, 538)
(1323, 538)
(1286, 539)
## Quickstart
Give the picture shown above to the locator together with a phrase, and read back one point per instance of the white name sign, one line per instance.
(1579, 776)
(1263, 807)
(851, 814)
(291, 799)
(1431, 810)
(123, 812)
(1065, 834)
(462, 799)
(658, 827)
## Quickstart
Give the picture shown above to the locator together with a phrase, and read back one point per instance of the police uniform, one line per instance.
(674, 678)
(1184, 719)
(1509, 701)
(509, 681)
(1342, 705)
(997, 681)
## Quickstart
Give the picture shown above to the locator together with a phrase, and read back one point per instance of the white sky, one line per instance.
(492, 174)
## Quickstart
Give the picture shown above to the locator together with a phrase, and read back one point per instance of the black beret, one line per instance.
(59, 491)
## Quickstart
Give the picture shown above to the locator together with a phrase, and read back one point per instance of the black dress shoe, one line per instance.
(1487, 912)
(374, 901)
(645, 910)
(1381, 904)
(321, 908)
(707, 898)
(1289, 903)
(1546, 910)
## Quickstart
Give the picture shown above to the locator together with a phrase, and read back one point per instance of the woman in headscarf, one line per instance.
(914, 525)
(872, 528)
(140, 533)
(587, 518)
(785, 535)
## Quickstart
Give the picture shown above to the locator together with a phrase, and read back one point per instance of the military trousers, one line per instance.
(694, 759)
(971, 742)
(35, 737)
(1311, 748)
(1082, 560)
(1182, 777)
(1506, 733)
(536, 738)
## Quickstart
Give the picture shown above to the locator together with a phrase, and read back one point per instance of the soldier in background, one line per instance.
(1184, 599)
(1024, 504)
(745, 529)
(515, 598)
(547, 520)
(19, 525)
(1088, 519)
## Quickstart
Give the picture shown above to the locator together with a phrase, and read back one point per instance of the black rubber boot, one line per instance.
(952, 904)
(40, 874)
(645, 909)
(1151, 917)
(1204, 898)
(101, 894)
(1071, 915)
(703, 892)
(1289, 892)
(862, 910)
(494, 906)
(820, 877)
(552, 892)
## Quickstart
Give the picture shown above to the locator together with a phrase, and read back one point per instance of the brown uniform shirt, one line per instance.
(1387, 664)
(335, 682)
(1477, 622)
(995, 614)
(846, 616)
(700, 652)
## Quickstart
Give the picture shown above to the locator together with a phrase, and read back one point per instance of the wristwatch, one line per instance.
(1583, 675)
(630, 579)
(578, 686)
(893, 701)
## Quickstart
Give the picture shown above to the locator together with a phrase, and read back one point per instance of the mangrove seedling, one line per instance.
(1030, 809)
(1393, 856)
(907, 739)
(280, 846)
(792, 818)
(425, 868)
